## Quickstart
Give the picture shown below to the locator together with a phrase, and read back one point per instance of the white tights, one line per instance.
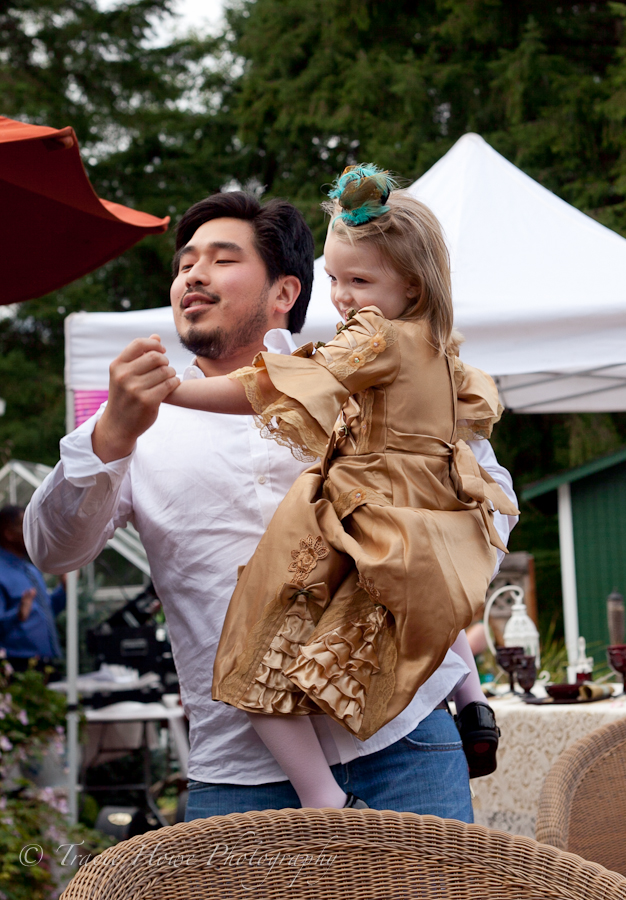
(470, 691)
(293, 743)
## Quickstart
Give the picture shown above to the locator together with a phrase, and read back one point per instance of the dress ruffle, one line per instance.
(336, 669)
(479, 406)
(302, 397)
(282, 420)
(271, 691)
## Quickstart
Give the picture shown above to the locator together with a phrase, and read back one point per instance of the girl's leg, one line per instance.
(294, 745)
(470, 691)
(475, 719)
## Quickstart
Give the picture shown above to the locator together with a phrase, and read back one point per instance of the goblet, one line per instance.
(508, 658)
(527, 674)
(617, 660)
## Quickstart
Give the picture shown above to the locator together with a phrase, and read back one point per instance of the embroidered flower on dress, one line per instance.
(305, 559)
(368, 586)
(377, 343)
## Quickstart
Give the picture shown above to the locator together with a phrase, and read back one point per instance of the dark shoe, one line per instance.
(479, 733)
(353, 802)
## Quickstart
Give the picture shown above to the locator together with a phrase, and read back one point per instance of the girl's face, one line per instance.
(358, 278)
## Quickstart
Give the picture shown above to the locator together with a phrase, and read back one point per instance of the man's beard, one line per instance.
(219, 343)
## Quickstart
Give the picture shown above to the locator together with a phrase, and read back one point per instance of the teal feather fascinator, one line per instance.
(361, 192)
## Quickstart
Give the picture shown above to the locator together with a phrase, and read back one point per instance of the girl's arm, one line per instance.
(219, 394)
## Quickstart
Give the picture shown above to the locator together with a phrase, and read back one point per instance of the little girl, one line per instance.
(382, 553)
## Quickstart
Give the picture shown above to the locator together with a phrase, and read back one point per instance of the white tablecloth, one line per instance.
(122, 724)
(532, 739)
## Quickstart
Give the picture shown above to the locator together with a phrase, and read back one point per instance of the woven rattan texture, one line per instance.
(582, 807)
(338, 855)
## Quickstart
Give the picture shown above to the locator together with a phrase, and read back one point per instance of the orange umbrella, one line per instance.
(53, 226)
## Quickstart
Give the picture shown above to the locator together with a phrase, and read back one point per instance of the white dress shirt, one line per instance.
(201, 489)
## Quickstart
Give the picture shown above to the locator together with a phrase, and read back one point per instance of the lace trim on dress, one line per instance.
(282, 420)
(336, 669)
(367, 584)
(293, 428)
(359, 352)
(479, 429)
(247, 376)
(473, 429)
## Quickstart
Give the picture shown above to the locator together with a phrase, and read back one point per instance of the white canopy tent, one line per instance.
(539, 291)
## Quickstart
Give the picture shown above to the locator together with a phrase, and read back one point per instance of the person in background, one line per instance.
(27, 610)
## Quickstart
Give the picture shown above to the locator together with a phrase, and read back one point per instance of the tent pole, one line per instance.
(568, 576)
(72, 657)
(72, 694)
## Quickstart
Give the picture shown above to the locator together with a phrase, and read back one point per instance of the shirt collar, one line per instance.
(277, 340)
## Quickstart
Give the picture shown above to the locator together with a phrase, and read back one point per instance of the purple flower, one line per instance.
(5, 743)
(23, 716)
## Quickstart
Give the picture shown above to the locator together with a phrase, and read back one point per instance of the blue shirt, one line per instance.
(37, 636)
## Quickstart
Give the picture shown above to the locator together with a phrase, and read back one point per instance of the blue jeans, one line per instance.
(424, 772)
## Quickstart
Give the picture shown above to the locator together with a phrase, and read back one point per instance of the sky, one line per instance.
(192, 14)
(197, 12)
(199, 15)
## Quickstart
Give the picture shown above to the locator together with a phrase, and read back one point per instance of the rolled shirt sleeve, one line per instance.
(72, 515)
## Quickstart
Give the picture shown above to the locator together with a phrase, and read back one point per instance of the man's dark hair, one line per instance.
(9, 516)
(282, 238)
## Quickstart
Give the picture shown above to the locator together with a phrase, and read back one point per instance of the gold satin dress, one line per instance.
(379, 555)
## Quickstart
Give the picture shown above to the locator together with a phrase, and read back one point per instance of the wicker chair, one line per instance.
(582, 807)
(338, 855)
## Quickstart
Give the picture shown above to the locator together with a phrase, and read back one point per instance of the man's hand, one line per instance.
(139, 380)
(26, 604)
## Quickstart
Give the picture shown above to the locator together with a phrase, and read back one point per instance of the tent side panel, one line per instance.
(86, 403)
(599, 512)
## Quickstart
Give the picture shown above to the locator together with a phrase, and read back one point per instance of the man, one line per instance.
(27, 611)
(201, 488)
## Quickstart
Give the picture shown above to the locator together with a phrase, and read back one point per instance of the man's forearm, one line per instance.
(65, 525)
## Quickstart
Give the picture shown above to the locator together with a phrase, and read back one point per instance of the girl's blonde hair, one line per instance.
(411, 241)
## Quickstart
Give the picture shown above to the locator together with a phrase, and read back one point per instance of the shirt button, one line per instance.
(261, 479)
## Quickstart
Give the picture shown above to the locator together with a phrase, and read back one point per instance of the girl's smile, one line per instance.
(359, 277)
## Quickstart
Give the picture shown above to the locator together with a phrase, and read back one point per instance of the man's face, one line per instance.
(221, 297)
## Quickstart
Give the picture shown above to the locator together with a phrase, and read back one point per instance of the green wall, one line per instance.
(599, 513)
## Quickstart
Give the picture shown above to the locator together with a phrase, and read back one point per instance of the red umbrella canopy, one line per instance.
(53, 226)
